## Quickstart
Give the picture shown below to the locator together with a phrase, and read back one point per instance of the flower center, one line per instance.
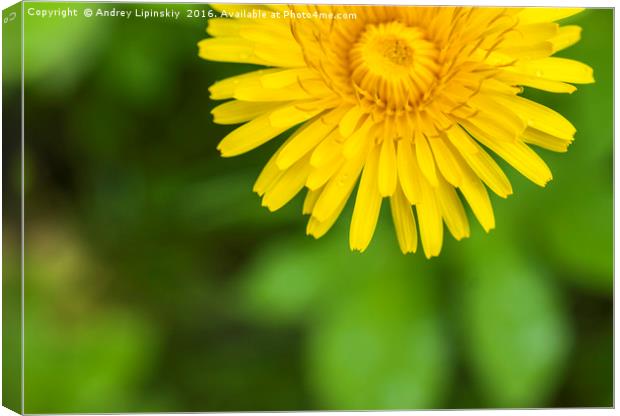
(383, 52)
(392, 65)
(397, 51)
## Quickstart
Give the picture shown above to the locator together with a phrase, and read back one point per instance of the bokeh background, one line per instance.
(156, 282)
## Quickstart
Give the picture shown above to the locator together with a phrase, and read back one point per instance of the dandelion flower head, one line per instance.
(397, 102)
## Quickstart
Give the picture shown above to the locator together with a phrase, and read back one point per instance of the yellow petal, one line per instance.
(269, 174)
(567, 36)
(367, 204)
(317, 228)
(224, 27)
(445, 161)
(461, 140)
(429, 219)
(311, 197)
(282, 54)
(496, 85)
(387, 168)
(520, 156)
(544, 140)
(251, 135)
(279, 35)
(229, 50)
(254, 90)
(320, 175)
(482, 164)
(224, 89)
(517, 78)
(476, 195)
(492, 126)
(557, 69)
(425, 158)
(526, 52)
(234, 112)
(404, 222)
(407, 174)
(350, 120)
(496, 117)
(287, 186)
(531, 15)
(247, 41)
(452, 210)
(291, 113)
(538, 116)
(339, 186)
(531, 34)
(305, 139)
(284, 78)
(327, 150)
(358, 139)
(271, 85)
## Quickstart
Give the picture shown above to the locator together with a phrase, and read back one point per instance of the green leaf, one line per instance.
(514, 325)
(290, 279)
(283, 282)
(374, 337)
(379, 344)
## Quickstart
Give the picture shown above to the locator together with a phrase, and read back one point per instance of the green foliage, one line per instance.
(514, 325)
(375, 340)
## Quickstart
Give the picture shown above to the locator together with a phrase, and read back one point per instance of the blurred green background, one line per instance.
(156, 282)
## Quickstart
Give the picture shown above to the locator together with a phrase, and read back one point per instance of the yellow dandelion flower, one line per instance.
(405, 101)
